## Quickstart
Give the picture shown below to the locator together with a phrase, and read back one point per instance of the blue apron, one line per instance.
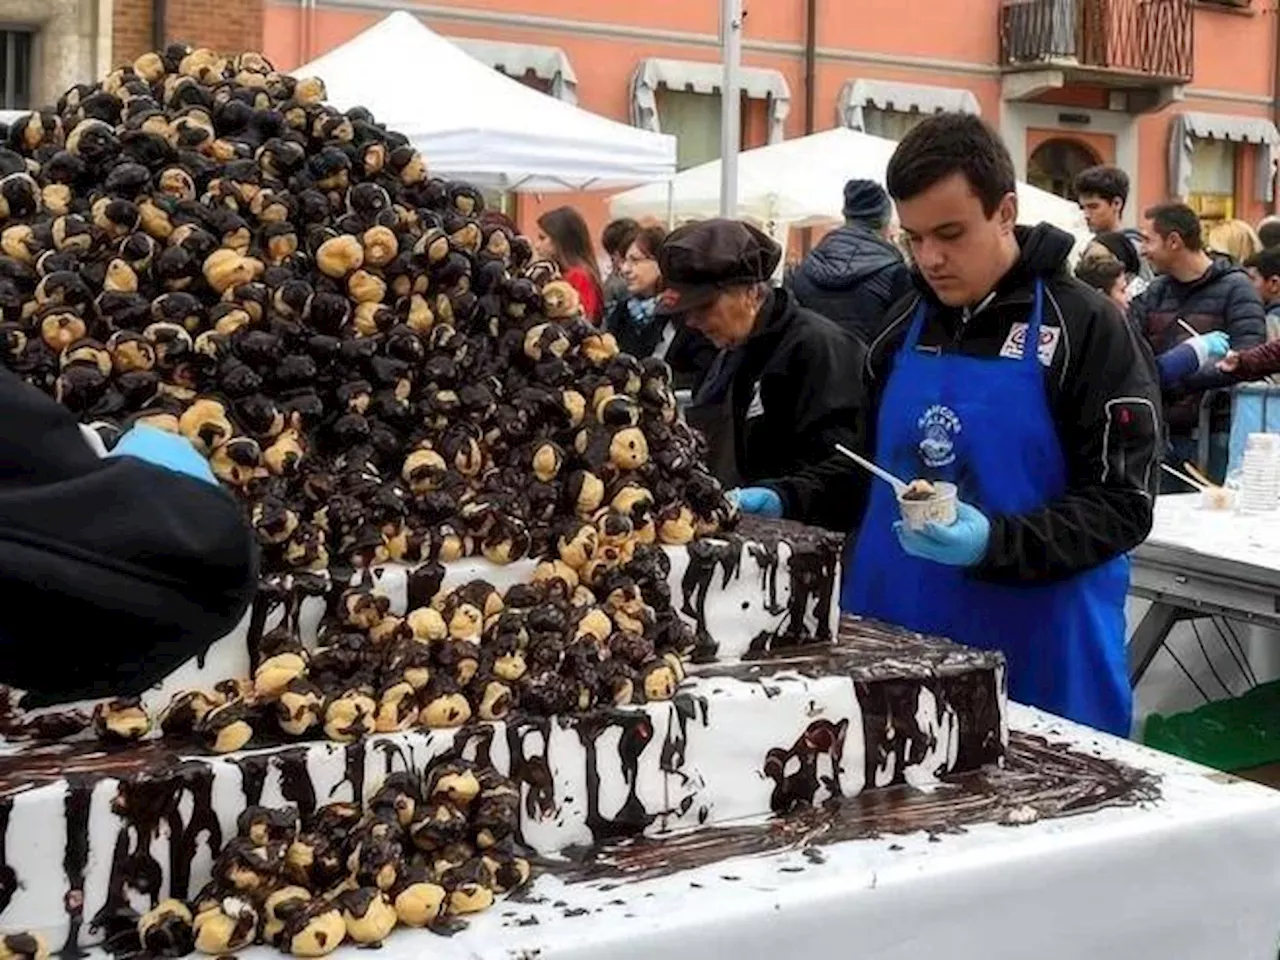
(985, 425)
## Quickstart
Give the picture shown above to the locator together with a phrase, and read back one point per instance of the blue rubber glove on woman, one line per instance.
(962, 544)
(758, 501)
(164, 449)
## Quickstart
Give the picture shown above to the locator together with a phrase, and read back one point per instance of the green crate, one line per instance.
(1227, 735)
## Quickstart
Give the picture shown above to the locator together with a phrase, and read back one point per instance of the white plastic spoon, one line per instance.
(898, 485)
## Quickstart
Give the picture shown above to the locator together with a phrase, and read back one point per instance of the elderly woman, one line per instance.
(638, 326)
(788, 385)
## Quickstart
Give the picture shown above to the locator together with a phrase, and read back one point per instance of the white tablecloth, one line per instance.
(1245, 538)
(1252, 539)
(1192, 876)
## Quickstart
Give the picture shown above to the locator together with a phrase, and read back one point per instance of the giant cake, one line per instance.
(505, 609)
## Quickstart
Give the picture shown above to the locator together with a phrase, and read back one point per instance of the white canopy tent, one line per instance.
(800, 183)
(472, 122)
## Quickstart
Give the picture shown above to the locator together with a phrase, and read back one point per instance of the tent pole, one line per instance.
(730, 105)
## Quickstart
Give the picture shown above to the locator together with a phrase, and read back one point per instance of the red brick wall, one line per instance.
(228, 26)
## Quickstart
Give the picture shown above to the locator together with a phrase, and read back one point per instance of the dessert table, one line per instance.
(1191, 872)
(1201, 563)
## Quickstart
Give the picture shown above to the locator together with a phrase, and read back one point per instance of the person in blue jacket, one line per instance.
(115, 567)
(1009, 378)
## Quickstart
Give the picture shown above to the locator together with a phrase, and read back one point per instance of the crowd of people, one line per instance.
(968, 350)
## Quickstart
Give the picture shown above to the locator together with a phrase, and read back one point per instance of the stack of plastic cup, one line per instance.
(1260, 473)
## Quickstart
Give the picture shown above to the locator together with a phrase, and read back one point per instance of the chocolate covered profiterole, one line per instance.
(24, 946)
(368, 914)
(919, 490)
(314, 931)
(226, 925)
(166, 930)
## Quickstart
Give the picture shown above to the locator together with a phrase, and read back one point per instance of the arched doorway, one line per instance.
(1054, 165)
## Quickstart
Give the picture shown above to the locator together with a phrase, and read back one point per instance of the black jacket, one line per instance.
(797, 392)
(1102, 389)
(853, 277)
(1223, 298)
(112, 572)
(690, 354)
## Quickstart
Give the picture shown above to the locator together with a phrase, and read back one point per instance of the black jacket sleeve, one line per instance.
(113, 572)
(831, 409)
(833, 491)
(1245, 321)
(1107, 410)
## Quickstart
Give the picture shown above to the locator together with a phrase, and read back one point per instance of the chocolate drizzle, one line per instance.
(354, 764)
(1050, 778)
(794, 771)
(253, 775)
(532, 770)
(75, 858)
(813, 569)
(295, 780)
(423, 583)
(8, 879)
(635, 732)
(705, 558)
(145, 804)
(684, 708)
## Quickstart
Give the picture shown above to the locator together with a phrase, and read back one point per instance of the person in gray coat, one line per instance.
(856, 273)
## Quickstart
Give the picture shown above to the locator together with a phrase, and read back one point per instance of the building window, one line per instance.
(1212, 192)
(890, 109)
(890, 124)
(15, 69)
(694, 120)
(682, 98)
(1054, 165)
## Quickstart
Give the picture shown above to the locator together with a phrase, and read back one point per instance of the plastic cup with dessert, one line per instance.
(1217, 498)
(921, 506)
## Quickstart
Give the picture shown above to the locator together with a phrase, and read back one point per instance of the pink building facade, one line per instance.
(1180, 93)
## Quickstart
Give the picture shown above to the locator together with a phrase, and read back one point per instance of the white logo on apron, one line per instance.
(938, 427)
(756, 409)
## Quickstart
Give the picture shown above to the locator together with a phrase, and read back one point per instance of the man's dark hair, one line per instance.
(1169, 218)
(618, 235)
(1101, 273)
(1266, 262)
(1269, 232)
(949, 143)
(1109, 183)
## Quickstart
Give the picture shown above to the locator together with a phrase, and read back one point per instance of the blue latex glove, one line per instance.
(164, 449)
(963, 544)
(760, 501)
(1210, 347)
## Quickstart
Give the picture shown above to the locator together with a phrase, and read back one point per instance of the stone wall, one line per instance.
(79, 41)
(71, 42)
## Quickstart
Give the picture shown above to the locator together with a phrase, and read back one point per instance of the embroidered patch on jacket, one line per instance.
(1017, 338)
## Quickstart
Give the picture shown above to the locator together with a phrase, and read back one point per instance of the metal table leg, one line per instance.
(1149, 637)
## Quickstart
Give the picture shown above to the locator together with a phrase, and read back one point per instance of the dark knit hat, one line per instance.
(866, 202)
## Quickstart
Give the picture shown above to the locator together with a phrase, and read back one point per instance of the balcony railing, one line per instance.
(1128, 38)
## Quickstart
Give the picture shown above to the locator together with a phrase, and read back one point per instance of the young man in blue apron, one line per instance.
(1026, 389)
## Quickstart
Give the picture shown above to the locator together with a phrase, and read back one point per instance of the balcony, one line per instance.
(1140, 49)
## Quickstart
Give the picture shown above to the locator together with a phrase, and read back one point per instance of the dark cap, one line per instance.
(701, 260)
(865, 201)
